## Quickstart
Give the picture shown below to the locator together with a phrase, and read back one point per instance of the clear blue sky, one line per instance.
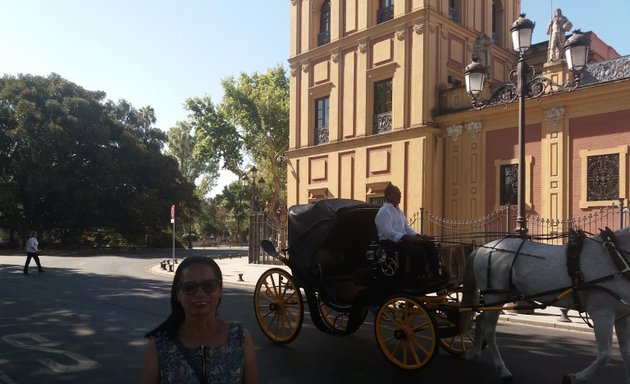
(160, 52)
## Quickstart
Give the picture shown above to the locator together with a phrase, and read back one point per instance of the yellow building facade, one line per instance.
(377, 96)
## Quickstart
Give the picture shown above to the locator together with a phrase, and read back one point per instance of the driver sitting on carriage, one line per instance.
(395, 234)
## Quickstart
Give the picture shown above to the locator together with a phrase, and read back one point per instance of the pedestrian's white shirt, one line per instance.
(31, 245)
(391, 223)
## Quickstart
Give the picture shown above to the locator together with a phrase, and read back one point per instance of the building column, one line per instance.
(554, 158)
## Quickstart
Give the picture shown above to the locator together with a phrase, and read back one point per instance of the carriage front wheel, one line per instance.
(406, 333)
(278, 305)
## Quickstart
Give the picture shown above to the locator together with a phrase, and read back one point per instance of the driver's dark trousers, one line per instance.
(425, 249)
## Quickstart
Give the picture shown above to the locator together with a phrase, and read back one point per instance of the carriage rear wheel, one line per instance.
(336, 316)
(278, 305)
(459, 343)
(406, 333)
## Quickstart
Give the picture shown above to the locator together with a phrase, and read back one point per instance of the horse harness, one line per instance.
(574, 250)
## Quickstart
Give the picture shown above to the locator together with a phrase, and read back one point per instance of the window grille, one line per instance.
(602, 177)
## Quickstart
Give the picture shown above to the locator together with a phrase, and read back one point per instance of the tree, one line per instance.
(201, 172)
(259, 104)
(233, 198)
(73, 163)
(181, 145)
(253, 116)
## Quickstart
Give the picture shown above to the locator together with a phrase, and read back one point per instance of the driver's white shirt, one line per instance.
(391, 223)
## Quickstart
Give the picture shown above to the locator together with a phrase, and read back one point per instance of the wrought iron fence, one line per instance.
(263, 228)
(458, 237)
(502, 222)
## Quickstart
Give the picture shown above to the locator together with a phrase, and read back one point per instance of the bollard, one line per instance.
(240, 277)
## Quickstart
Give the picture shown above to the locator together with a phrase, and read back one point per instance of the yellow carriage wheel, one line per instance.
(460, 343)
(406, 333)
(334, 318)
(278, 305)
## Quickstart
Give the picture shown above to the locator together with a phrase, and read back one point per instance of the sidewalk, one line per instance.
(236, 270)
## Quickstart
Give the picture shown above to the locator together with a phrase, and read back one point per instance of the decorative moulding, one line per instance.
(418, 25)
(554, 115)
(334, 55)
(454, 131)
(474, 127)
(305, 67)
(401, 32)
(363, 46)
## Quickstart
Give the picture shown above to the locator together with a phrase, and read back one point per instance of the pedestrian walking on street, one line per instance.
(31, 252)
(192, 345)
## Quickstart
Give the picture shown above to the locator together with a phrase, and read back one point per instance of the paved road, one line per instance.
(83, 321)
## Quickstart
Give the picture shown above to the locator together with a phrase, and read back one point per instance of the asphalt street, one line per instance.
(83, 321)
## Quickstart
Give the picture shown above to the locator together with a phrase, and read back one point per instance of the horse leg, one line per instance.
(486, 326)
(489, 330)
(603, 326)
(622, 327)
(475, 351)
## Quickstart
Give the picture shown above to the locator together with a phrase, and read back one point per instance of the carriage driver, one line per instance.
(394, 232)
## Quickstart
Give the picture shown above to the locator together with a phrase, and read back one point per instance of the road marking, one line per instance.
(20, 340)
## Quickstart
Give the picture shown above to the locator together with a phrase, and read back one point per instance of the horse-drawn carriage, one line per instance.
(337, 264)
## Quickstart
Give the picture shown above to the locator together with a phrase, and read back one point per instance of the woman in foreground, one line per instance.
(192, 345)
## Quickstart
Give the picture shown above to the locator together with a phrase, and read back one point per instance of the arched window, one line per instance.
(323, 37)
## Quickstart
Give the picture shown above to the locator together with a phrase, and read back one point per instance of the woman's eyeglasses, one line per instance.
(208, 286)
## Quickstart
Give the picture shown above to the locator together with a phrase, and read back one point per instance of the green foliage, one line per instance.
(251, 121)
(73, 163)
(216, 138)
(181, 145)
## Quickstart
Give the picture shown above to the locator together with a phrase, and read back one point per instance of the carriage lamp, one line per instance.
(524, 83)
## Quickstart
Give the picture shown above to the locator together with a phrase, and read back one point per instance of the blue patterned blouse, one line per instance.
(220, 365)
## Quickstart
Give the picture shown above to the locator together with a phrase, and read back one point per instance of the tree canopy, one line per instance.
(72, 162)
(252, 122)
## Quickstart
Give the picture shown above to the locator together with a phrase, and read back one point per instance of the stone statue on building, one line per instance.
(558, 26)
(481, 51)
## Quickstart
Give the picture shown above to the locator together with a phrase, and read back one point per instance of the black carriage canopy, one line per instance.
(340, 225)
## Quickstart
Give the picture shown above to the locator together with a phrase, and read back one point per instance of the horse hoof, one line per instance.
(507, 380)
(568, 378)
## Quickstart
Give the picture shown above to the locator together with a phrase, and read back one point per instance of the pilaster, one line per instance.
(554, 157)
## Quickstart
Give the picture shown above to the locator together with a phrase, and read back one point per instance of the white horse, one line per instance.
(503, 269)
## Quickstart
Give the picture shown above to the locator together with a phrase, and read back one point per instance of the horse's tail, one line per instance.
(470, 292)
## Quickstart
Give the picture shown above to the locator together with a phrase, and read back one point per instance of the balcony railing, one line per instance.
(321, 135)
(609, 70)
(382, 122)
(323, 38)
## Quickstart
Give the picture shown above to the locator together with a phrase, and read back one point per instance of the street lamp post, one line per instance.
(253, 216)
(525, 84)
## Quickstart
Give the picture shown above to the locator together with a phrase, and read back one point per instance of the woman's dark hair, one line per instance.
(177, 316)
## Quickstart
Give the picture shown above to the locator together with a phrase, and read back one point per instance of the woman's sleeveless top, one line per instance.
(222, 365)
